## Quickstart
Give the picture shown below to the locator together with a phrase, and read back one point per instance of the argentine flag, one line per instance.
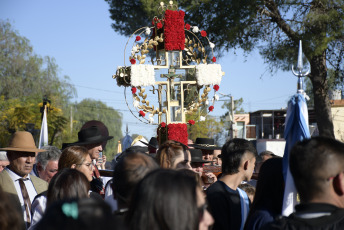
(296, 129)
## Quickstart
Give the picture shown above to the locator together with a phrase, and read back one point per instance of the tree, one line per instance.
(88, 110)
(237, 110)
(207, 128)
(25, 78)
(274, 27)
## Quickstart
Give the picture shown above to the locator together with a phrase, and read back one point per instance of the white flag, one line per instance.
(43, 138)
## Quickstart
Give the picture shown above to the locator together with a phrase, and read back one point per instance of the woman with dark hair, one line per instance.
(85, 214)
(268, 199)
(67, 184)
(168, 199)
(173, 154)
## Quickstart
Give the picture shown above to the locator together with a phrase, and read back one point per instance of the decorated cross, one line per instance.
(177, 48)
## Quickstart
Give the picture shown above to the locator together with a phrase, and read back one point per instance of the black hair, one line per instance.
(67, 184)
(164, 199)
(85, 214)
(232, 153)
(269, 189)
(312, 162)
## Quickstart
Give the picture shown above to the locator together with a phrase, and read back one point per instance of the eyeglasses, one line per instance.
(201, 210)
(89, 165)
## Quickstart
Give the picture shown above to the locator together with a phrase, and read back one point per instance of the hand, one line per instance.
(104, 162)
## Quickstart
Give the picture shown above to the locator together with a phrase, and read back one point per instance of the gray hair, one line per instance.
(3, 156)
(52, 153)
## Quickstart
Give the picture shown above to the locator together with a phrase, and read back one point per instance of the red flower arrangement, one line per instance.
(138, 38)
(174, 33)
(142, 114)
(203, 33)
(216, 87)
(133, 90)
(178, 132)
(214, 59)
(187, 26)
(163, 124)
(191, 122)
(211, 108)
(159, 25)
(133, 61)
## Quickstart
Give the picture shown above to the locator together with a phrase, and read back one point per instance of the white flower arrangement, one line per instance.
(208, 74)
(142, 75)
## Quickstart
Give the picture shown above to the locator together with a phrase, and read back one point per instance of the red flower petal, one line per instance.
(203, 33)
(142, 114)
(211, 108)
(216, 87)
(159, 25)
(133, 61)
(187, 26)
(214, 59)
(138, 38)
(163, 124)
(133, 90)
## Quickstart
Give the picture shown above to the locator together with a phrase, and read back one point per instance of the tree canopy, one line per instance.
(26, 78)
(272, 26)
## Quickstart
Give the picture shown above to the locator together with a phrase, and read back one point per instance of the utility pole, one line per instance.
(232, 121)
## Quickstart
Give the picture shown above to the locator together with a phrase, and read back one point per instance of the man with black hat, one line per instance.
(92, 139)
(15, 179)
(207, 146)
(197, 164)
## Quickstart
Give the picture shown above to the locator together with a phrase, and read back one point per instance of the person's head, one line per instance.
(238, 156)
(92, 139)
(317, 166)
(265, 155)
(10, 218)
(168, 199)
(173, 154)
(85, 214)
(270, 186)
(21, 153)
(197, 161)
(47, 162)
(3, 160)
(217, 157)
(249, 189)
(207, 146)
(129, 170)
(77, 157)
(67, 184)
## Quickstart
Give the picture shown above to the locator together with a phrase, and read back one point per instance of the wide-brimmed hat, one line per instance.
(22, 141)
(196, 156)
(90, 135)
(205, 143)
(153, 142)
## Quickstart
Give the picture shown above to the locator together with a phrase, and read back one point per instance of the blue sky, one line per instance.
(79, 36)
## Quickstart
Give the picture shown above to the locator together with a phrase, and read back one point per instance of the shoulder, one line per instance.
(39, 184)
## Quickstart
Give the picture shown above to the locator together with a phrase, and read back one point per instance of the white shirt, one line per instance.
(29, 187)
(37, 209)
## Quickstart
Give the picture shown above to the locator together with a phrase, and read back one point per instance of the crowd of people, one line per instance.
(168, 186)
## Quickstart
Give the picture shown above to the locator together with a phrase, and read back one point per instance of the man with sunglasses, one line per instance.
(317, 166)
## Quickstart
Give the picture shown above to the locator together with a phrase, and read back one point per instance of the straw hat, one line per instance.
(22, 141)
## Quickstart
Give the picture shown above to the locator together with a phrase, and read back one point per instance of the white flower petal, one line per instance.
(201, 118)
(136, 103)
(195, 29)
(216, 97)
(206, 102)
(148, 31)
(212, 45)
(121, 74)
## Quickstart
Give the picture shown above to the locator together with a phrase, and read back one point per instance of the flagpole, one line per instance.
(43, 137)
